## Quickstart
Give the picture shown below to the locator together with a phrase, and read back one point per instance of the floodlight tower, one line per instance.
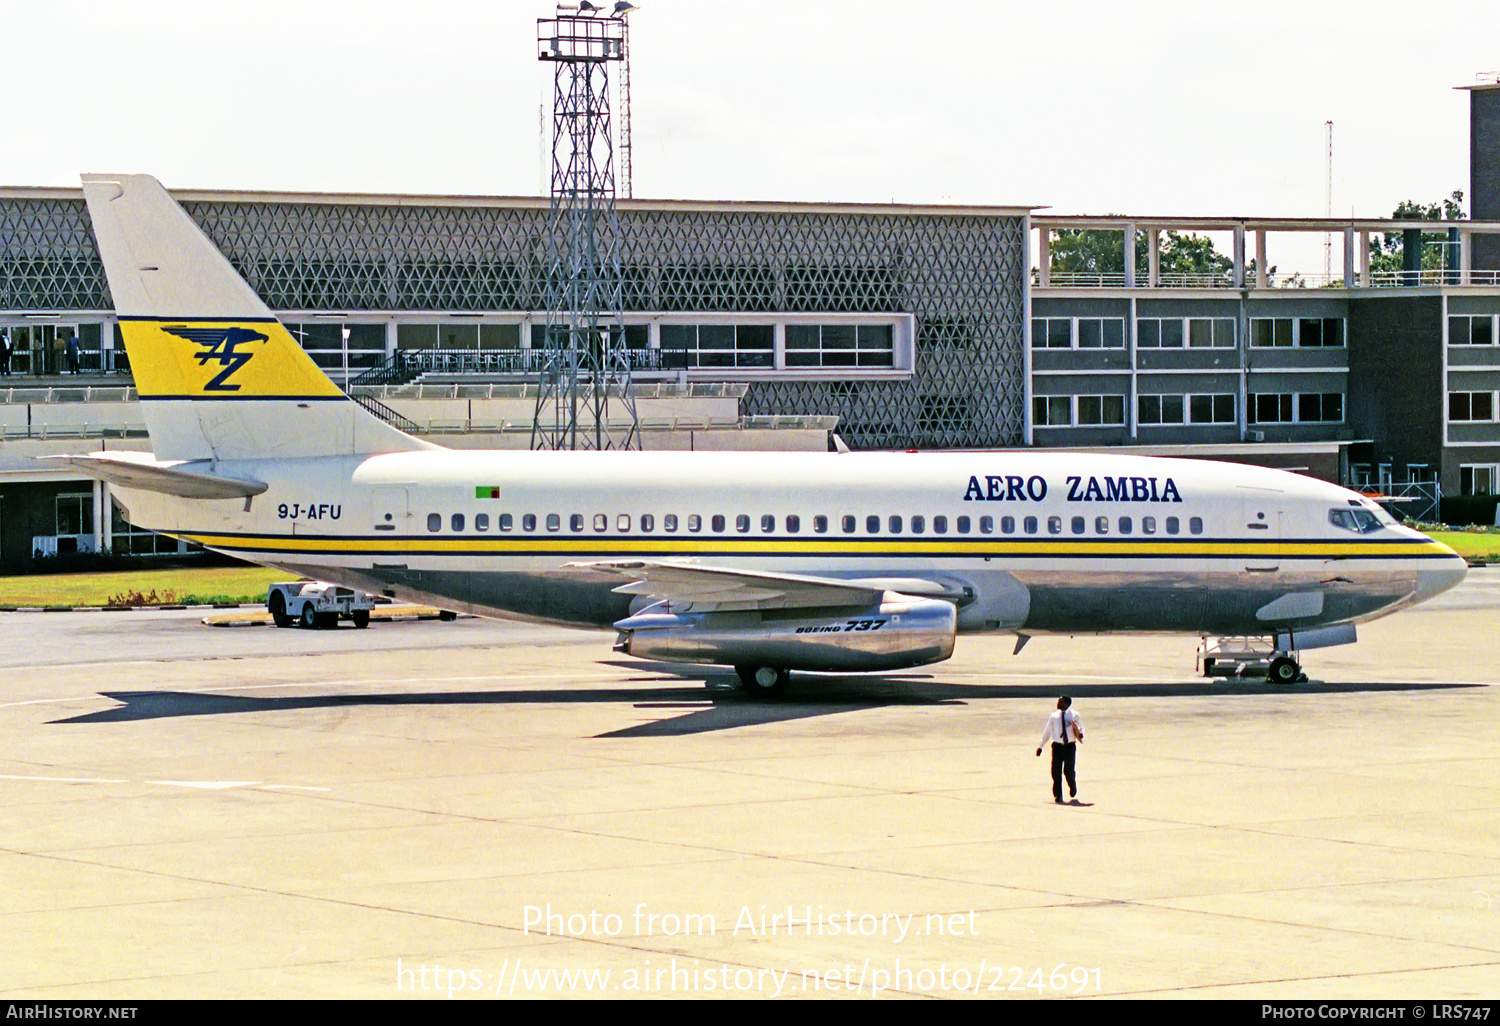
(622, 11)
(583, 395)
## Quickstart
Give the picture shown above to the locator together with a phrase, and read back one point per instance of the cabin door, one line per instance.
(1259, 527)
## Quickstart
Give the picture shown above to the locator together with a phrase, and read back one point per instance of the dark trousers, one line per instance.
(1062, 765)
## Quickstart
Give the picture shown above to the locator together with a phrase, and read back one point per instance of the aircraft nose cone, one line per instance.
(1441, 574)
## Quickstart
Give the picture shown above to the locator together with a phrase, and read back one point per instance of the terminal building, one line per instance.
(787, 325)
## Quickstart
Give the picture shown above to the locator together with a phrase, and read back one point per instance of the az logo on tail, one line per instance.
(219, 346)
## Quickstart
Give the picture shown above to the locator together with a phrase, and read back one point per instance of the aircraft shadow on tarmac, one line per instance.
(713, 701)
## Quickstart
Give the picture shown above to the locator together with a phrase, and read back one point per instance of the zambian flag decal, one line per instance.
(486, 492)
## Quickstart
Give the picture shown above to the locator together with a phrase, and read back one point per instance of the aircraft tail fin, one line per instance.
(218, 376)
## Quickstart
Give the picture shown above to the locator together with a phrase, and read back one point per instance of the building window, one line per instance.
(1471, 407)
(1297, 408)
(1185, 409)
(1479, 479)
(1096, 410)
(1298, 332)
(1180, 332)
(1079, 333)
(840, 345)
(1211, 409)
(1051, 411)
(719, 345)
(1161, 409)
(1092, 410)
(1467, 330)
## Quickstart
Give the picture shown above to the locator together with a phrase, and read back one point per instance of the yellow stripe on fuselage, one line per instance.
(574, 544)
(243, 359)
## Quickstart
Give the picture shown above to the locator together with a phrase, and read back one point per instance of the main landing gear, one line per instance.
(1284, 670)
(762, 681)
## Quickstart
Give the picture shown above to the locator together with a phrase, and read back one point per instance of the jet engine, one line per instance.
(898, 632)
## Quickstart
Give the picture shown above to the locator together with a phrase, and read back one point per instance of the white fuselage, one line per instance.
(1037, 542)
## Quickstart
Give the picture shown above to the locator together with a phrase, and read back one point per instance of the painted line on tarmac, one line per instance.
(198, 785)
(66, 780)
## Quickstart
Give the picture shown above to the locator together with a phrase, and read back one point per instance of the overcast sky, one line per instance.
(1147, 108)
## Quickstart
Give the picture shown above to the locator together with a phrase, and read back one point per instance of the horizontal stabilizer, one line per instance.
(166, 478)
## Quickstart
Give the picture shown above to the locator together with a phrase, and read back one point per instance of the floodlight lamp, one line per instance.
(624, 7)
(586, 7)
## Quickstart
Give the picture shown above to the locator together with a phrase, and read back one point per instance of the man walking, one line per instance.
(4, 354)
(1064, 731)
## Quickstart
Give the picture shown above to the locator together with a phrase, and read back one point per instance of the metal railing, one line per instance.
(508, 390)
(39, 363)
(449, 426)
(1296, 280)
(1418, 500)
(410, 364)
(65, 394)
(12, 432)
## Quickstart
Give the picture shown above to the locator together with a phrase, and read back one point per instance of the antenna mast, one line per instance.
(1328, 208)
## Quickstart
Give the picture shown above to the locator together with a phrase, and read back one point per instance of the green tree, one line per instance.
(1386, 249)
(1102, 251)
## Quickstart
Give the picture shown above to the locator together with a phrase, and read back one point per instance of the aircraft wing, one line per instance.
(167, 478)
(728, 587)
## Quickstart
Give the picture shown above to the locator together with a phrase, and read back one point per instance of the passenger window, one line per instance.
(528, 523)
(918, 525)
(601, 522)
(1078, 525)
(1148, 525)
(717, 523)
(1172, 525)
(648, 523)
(1054, 525)
(669, 523)
(742, 523)
(939, 525)
(894, 525)
(793, 524)
(554, 522)
(1101, 525)
(575, 522)
(1195, 525)
(622, 523)
(457, 521)
(1031, 525)
(849, 524)
(963, 525)
(695, 523)
(434, 521)
(872, 525)
(820, 524)
(507, 522)
(768, 523)
(986, 525)
(1007, 525)
(481, 521)
(1126, 526)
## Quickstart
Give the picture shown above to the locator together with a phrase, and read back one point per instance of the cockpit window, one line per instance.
(1360, 521)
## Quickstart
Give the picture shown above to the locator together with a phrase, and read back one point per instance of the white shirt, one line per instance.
(1062, 725)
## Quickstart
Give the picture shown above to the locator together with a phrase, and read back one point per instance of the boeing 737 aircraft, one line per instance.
(765, 562)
